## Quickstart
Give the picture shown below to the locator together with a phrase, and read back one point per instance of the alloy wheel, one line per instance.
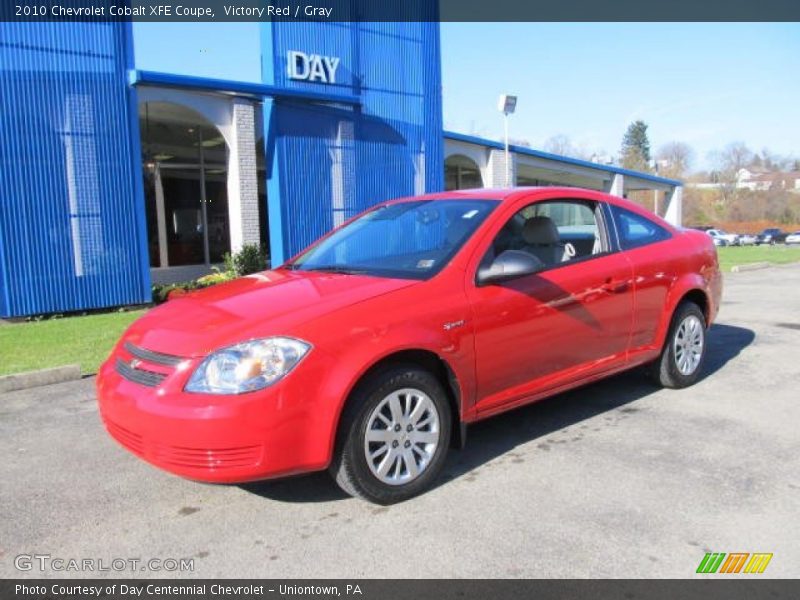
(402, 436)
(688, 344)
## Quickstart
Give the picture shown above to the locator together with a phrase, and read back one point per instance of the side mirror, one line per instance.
(510, 264)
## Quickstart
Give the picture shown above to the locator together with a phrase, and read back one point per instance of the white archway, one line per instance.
(461, 172)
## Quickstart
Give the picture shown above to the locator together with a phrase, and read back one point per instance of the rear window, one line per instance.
(634, 230)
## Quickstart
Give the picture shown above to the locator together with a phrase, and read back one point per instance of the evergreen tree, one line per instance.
(635, 151)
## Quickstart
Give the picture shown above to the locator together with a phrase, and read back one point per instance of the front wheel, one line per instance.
(393, 437)
(684, 349)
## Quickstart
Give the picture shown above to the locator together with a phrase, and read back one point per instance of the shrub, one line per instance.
(252, 258)
(216, 277)
(161, 291)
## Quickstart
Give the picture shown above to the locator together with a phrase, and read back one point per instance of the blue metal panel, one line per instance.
(70, 212)
(335, 160)
(274, 207)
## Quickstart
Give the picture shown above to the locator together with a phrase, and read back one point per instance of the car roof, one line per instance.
(501, 194)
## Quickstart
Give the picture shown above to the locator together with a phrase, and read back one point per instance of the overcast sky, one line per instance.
(706, 84)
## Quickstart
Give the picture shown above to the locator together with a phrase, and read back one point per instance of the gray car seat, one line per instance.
(541, 238)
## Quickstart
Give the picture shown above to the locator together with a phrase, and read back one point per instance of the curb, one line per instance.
(751, 267)
(31, 379)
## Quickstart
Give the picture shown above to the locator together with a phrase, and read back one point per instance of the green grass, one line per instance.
(86, 340)
(741, 255)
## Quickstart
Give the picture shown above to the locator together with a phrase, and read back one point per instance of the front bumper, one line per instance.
(284, 429)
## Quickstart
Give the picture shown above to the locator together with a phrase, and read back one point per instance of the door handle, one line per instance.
(614, 286)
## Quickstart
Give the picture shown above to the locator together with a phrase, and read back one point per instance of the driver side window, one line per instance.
(553, 232)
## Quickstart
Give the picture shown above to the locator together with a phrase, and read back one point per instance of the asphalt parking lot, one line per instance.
(618, 479)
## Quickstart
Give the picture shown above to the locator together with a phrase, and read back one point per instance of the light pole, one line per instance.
(506, 105)
(654, 166)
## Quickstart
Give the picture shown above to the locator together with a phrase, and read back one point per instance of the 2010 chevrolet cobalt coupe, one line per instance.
(369, 352)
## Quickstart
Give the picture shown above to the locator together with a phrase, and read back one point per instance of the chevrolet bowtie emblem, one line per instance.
(135, 363)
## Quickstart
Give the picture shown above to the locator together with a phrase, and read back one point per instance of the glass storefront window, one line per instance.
(185, 180)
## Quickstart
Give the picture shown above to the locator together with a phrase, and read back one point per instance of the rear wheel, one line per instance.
(682, 357)
(393, 437)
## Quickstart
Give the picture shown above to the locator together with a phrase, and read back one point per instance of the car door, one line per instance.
(568, 321)
(654, 268)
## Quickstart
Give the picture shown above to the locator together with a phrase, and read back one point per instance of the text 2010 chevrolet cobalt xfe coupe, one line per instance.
(369, 352)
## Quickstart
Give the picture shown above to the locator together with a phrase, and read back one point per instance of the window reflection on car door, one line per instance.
(572, 318)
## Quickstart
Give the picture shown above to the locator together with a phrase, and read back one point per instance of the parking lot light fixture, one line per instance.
(507, 104)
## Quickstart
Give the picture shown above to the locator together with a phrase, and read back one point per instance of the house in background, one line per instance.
(759, 179)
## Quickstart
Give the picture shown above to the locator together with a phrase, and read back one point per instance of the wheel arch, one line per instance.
(699, 297)
(430, 361)
(689, 289)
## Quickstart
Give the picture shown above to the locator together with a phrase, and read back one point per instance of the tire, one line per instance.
(406, 459)
(682, 357)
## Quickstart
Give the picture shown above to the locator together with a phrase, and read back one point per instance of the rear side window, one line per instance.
(634, 230)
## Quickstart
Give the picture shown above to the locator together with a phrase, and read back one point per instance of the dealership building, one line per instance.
(114, 178)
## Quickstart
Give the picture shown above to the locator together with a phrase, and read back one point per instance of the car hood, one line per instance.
(259, 305)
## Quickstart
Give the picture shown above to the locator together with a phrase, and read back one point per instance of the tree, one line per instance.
(770, 162)
(558, 144)
(773, 162)
(561, 144)
(674, 159)
(635, 151)
(736, 156)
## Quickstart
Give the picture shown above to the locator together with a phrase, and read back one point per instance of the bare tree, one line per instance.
(736, 156)
(522, 142)
(773, 162)
(724, 174)
(559, 144)
(674, 159)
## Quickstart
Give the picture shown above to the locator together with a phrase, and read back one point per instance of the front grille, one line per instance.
(157, 358)
(207, 458)
(130, 440)
(140, 376)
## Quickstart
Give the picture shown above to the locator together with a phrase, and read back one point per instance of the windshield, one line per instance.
(412, 240)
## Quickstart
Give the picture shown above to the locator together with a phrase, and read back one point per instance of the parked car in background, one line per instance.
(718, 241)
(793, 238)
(771, 235)
(731, 239)
(747, 239)
(370, 352)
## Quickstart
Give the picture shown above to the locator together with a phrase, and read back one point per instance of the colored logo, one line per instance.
(736, 562)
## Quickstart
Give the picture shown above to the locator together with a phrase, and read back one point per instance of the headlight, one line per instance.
(247, 366)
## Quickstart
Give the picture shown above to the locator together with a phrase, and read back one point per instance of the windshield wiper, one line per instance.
(335, 269)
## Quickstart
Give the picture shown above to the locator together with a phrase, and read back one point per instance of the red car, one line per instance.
(369, 352)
